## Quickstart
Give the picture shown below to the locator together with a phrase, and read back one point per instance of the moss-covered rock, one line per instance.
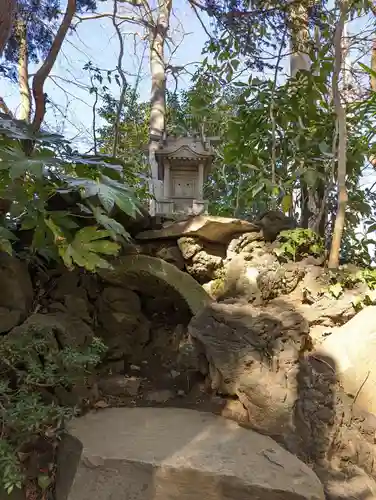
(146, 274)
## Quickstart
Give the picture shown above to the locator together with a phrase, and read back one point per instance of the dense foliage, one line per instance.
(60, 199)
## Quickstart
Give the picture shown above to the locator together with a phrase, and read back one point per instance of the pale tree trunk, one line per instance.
(42, 74)
(299, 59)
(312, 197)
(7, 11)
(23, 73)
(373, 66)
(158, 91)
(339, 107)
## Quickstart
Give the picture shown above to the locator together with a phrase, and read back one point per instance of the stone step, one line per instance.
(176, 454)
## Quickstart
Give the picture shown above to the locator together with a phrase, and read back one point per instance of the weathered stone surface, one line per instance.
(17, 296)
(245, 243)
(260, 355)
(160, 396)
(189, 246)
(172, 255)
(273, 222)
(240, 343)
(176, 454)
(244, 278)
(58, 329)
(352, 484)
(146, 274)
(352, 347)
(207, 227)
(203, 260)
(123, 327)
(118, 385)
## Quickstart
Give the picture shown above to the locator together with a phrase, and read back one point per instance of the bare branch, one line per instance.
(5, 108)
(123, 82)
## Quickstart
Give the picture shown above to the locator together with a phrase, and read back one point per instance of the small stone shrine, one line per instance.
(184, 164)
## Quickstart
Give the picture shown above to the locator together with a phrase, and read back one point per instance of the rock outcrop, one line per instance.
(353, 350)
(264, 357)
(150, 274)
(207, 227)
(17, 298)
(160, 454)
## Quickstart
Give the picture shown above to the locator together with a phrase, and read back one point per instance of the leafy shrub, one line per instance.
(295, 244)
(29, 368)
(342, 280)
(30, 178)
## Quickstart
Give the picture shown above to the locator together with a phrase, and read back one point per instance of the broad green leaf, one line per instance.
(6, 246)
(6, 234)
(286, 203)
(110, 224)
(86, 246)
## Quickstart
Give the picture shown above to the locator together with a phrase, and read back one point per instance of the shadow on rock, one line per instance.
(263, 356)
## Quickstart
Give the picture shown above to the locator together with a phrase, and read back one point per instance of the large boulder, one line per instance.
(352, 349)
(243, 277)
(240, 343)
(207, 227)
(17, 296)
(176, 454)
(262, 356)
(147, 274)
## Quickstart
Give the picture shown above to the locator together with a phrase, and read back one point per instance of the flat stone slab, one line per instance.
(207, 227)
(176, 454)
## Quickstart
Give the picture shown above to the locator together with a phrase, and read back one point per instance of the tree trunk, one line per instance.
(373, 66)
(158, 91)
(43, 72)
(339, 224)
(23, 73)
(7, 11)
(313, 217)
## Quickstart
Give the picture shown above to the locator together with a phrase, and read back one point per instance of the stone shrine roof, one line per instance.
(185, 148)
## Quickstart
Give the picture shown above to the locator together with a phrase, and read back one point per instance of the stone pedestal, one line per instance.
(164, 207)
(200, 207)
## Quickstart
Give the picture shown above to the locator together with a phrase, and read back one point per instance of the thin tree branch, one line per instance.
(123, 82)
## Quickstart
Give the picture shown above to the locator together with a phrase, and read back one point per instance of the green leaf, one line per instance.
(6, 234)
(336, 290)
(44, 481)
(6, 246)
(114, 227)
(85, 247)
(286, 203)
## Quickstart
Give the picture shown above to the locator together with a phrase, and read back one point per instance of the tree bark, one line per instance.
(43, 72)
(313, 217)
(123, 82)
(373, 65)
(23, 73)
(339, 224)
(158, 90)
(7, 11)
